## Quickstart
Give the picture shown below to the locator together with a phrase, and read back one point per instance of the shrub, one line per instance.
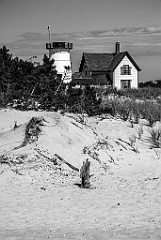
(140, 131)
(132, 140)
(107, 108)
(135, 111)
(141, 93)
(155, 137)
(32, 131)
(123, 108)
(89, 101)
(152, 112)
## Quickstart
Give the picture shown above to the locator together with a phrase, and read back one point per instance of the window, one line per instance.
(125, 84)
(126, 70)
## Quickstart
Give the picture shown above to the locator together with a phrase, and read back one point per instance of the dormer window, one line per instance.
(126, 70)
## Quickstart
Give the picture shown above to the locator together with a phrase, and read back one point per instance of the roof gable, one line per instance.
(118, 58)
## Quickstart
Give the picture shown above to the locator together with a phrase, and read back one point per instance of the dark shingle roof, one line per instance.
(104, 61)
(80, 75)
(98, 61)
(76, 75)
(116, 60)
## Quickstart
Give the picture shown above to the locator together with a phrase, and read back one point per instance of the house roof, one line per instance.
(82, 79)
(98, 61)
(80, 75)
(104, 61)
(117, 59)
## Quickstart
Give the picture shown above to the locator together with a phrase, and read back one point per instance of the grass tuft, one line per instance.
(155, 137)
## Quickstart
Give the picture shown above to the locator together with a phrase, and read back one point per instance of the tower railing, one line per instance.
(59, 45)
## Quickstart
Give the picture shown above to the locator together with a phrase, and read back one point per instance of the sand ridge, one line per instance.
(40, 197)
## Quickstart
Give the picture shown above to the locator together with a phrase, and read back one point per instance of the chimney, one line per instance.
(117, 47)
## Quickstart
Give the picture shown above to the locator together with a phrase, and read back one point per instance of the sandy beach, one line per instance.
(42, 199)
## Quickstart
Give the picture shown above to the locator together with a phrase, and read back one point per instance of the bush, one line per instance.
(107, 108)
(152, 112)
(135, 111)
(89, 100)
(155, 137)
(123, 108)
(150, 93)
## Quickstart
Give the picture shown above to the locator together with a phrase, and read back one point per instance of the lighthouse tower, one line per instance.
(60, 52)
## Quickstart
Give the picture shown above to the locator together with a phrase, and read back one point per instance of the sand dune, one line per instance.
(40, 197)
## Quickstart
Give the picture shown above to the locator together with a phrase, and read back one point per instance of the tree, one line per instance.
(47, 80)
(5, 83)
(91, 103)
(21, 80)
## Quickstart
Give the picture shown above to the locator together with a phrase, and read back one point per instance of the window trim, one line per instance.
(129, 81)
(125, 69)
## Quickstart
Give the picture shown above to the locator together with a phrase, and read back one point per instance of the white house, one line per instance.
(116, 69)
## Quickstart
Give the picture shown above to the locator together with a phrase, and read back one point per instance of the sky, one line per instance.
(91, 25)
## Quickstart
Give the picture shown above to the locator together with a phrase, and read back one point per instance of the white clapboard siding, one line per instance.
(117, 77)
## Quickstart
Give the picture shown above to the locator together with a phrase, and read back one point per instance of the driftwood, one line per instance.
(64, 161)
(85, 174)
(57, 157)
(84, 170)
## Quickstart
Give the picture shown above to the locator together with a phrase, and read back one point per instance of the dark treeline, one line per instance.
(21, 80)
(153, 84)
(25, 86)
